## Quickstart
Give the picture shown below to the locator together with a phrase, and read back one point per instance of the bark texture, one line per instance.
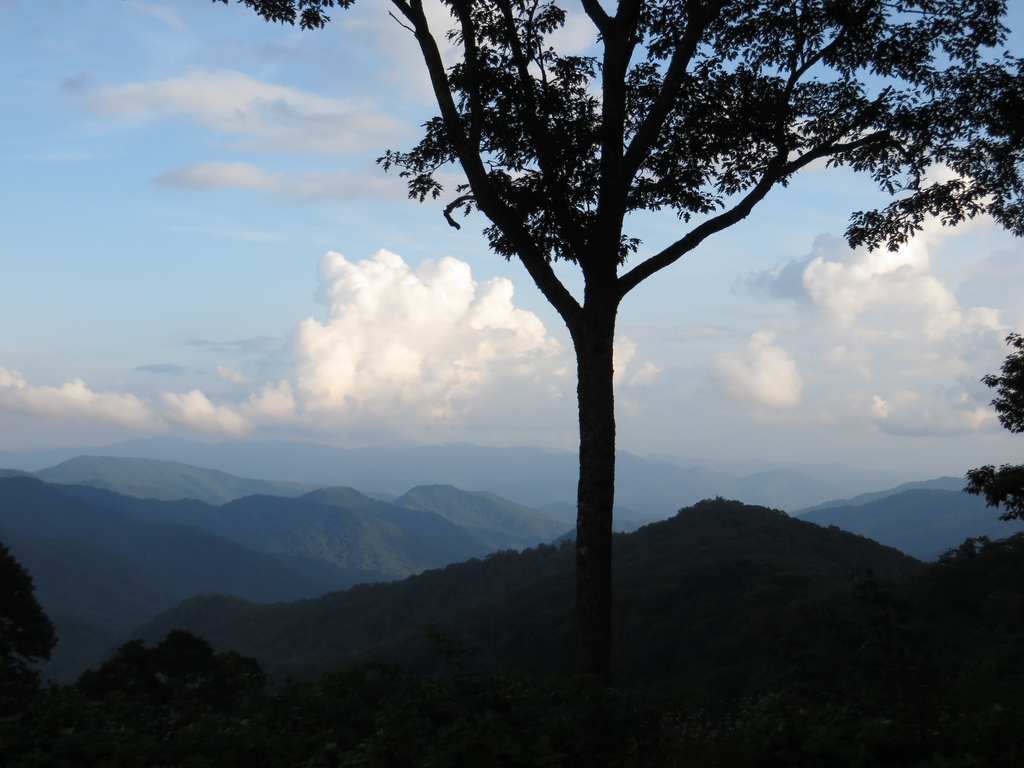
(596, 494)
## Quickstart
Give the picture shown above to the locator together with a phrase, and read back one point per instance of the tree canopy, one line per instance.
(701, 108)
(1005, 486)
(26, 633)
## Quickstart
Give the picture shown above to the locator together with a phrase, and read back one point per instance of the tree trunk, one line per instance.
(596, 492)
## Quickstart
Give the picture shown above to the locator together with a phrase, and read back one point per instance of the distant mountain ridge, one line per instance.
(497, 522)
(944, 483)
(151, 478)
(654, 487)
(98, 571)
(104, 561)
(923, 522)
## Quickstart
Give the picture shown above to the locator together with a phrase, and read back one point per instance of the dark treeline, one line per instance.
(695, 596)
(745, 637)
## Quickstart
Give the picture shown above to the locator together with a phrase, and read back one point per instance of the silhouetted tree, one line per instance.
(703, 108)
(182, 668)
(1005, 486)
(26, 633)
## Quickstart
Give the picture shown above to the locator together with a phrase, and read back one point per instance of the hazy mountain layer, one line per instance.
(99, 571)
(923, 523)
(149, 478)
(655, 487)
(105, 562)
(937, 484)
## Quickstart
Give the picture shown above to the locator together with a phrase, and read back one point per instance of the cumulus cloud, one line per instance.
(909, 413)
(266, 117)
(878, 293)
(886, 337)
(996, 281)
(623, 351)
(73, 401)
(622, 354)
(227, 373)
(418, 354)
(645, 376)
(762, 374)
(419, 345)
(194, 410)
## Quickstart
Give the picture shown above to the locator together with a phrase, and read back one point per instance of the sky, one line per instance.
(197, 242)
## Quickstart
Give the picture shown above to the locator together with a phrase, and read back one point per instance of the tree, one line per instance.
(182, 669)
(26, 633)
(702, 108)
(1005, 486)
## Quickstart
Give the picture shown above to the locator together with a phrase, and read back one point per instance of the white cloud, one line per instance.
(160, 13)
(882, 337)
(911, 414)
(415, 354)
(276, 401)
(420, 346)
(215, 175)
(267, 117)
(227, 373)
(623, 353)
(194, 410)
(73, 400)
(307, 187)
(645, 376)
(997, 281)
(762, 374)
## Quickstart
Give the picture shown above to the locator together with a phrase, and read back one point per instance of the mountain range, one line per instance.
(103, 561)
(923, 520)
(694, 596)
(113, 541)
(147, 478)
(647, 488)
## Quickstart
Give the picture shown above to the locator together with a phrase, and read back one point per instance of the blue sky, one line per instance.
(197, 242)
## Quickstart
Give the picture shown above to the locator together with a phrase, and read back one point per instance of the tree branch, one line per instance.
(776, 171)
(452, 206)
(597, 14)
(651, 127)
(468, 153)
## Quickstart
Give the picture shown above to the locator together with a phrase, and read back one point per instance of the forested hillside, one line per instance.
(746, 638)
(105, 562)
(698, 598)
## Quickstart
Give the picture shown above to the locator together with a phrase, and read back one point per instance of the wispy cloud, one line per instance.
(161, 13)
(307, 187)
(257, 345)
(264, 116)
(165, 369)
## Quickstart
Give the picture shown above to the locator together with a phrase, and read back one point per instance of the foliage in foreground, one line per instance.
(26, 633)
(1005, 486)
(921, 673)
